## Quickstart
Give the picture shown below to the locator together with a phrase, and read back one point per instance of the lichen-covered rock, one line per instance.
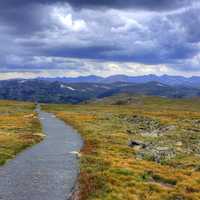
(159, 132)
(147, 126)
(157, 154)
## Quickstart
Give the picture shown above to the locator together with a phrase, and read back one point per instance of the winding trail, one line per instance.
(47, 171)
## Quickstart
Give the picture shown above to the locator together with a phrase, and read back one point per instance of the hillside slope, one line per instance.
(148, 149)
(193, 81)
(58, 92)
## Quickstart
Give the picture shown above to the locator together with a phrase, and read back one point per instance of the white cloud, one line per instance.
(64, 18)
(142, 42)
(75, 67)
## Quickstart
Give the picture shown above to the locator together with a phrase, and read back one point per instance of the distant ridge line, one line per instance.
(193, 81)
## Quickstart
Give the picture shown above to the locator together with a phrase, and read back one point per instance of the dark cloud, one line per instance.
(25, 19)
(36, 33)
(137, 4)
(190, 21)
(141, 4)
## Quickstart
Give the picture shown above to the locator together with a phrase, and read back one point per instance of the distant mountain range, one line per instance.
(61, 90)
(165, 79)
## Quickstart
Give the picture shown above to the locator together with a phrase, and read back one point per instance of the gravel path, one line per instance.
(47, 171)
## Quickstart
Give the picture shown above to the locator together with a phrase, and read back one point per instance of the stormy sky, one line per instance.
(101, 37)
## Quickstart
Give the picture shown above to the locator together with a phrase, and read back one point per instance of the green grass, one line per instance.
(111, 170)
(19, 128)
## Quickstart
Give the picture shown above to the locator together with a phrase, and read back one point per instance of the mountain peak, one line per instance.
(193, 81)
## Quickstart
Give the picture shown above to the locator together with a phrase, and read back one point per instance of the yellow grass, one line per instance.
(19, 128)
(111, 170)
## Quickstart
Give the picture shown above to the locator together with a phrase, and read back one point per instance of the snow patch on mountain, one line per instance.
(67, 87)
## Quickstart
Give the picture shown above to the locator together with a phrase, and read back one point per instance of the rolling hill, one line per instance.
(37, 90)
(164, 79)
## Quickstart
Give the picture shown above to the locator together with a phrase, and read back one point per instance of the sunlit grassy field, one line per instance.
(165, 167)
(19, 128)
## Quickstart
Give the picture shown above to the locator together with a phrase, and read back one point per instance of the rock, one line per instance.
(147, 126)
(129, 131)
(157, 154)
(78, 154)
(179, 144)
(163, 153)
(158, 132)
(154, 133)
(137, 143)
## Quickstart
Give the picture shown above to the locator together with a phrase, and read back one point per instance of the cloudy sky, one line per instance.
(100, 37)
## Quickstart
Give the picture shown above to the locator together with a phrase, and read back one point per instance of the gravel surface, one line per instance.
(47, 171)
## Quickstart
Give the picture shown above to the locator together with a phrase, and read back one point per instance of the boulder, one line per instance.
(137, 143)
